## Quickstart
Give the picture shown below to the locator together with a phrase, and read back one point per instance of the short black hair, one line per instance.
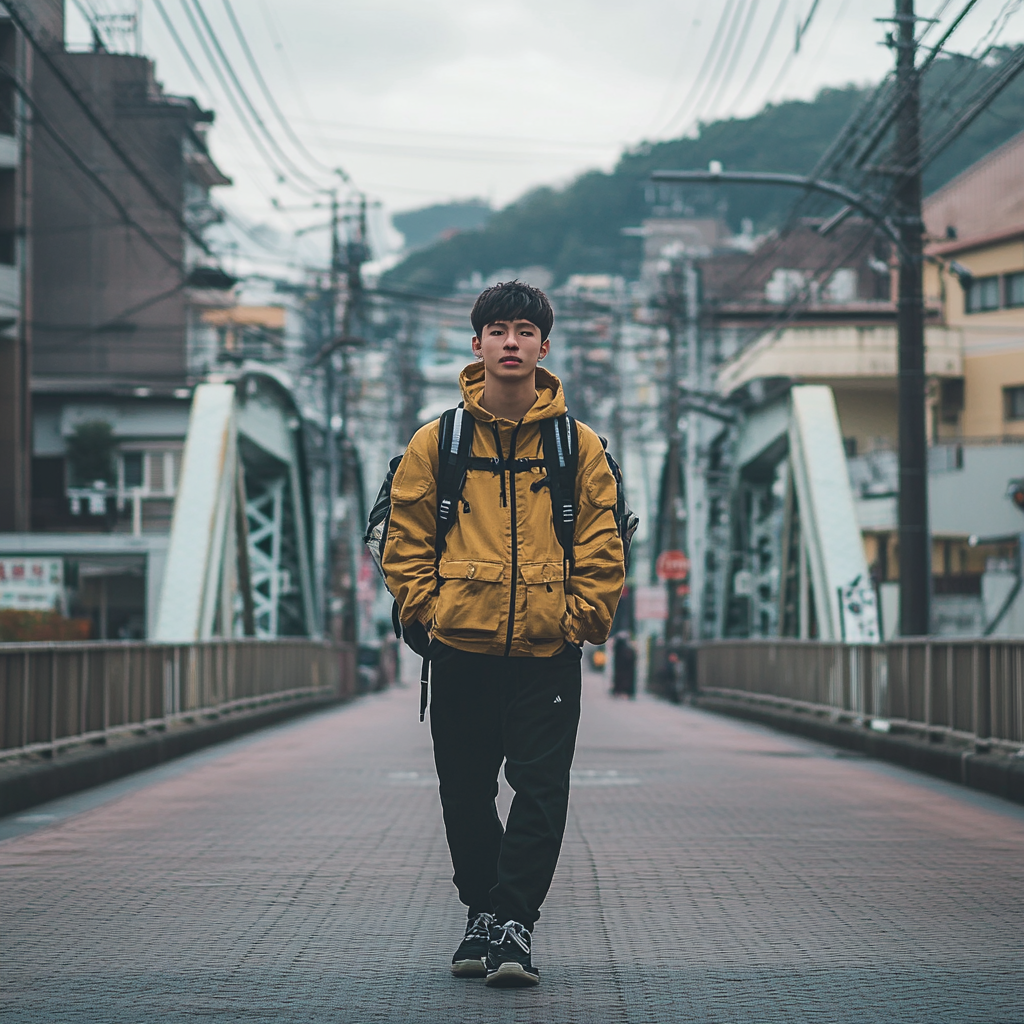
(512, 300)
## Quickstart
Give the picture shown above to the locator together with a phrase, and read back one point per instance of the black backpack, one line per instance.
(560, 447)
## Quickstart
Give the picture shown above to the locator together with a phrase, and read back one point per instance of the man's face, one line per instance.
(510, 349)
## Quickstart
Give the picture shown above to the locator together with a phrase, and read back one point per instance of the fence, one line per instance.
(55, 694)
(970, 689)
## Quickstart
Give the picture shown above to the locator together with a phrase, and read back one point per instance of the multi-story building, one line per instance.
(105, 184)
(974, 335)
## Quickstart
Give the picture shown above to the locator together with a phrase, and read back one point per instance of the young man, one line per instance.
(508, 613)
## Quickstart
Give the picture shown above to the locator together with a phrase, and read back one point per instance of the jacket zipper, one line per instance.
(501, 463)
(515, 539)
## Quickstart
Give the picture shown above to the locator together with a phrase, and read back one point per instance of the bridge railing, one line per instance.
(970, 689)
(56, 694)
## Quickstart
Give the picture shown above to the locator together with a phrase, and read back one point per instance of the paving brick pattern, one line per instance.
(712, 871)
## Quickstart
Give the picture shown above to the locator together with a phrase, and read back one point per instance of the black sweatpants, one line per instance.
(485, 709)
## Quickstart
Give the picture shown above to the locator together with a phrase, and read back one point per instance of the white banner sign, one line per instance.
(859, 609)
(31, 584)
(650, 603)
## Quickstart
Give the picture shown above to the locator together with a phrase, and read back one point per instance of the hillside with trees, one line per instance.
(578, 228)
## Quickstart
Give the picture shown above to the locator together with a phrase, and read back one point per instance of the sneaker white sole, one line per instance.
(469, 968)
(511, 975)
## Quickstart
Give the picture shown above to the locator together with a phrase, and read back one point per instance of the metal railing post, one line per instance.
(53, 695)
(928, 682)
(24, 699)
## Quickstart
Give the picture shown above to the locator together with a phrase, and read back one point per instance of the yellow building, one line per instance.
(976, 223)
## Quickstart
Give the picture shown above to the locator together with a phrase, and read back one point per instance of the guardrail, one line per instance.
(968, 689)
(56, 694)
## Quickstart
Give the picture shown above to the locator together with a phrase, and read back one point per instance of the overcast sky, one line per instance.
(423, 102)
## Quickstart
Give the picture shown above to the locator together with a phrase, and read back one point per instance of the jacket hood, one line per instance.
(550, 396)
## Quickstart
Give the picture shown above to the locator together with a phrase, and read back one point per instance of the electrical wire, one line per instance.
(182, 48)
(719, 66)
(269, 96)
(697, 83)
(792, 55)
(45, 55)
(282, 53)
(278, 167)
(755, 69)
(722, 73)
(741, 43)
(69, 151)
(296, 171)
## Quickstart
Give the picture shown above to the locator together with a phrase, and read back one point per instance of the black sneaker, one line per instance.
(470, 958)
(508, 957)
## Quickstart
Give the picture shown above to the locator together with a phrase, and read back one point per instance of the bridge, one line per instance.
(713, 869)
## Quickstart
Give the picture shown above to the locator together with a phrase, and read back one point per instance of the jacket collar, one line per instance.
(550, 396)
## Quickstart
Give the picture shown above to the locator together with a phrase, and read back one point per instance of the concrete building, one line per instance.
(105, 185)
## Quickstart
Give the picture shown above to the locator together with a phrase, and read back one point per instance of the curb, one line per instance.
(998, 775)
(27, 783)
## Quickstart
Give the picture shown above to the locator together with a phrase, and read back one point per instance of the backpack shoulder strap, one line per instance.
(560, 442)
(454, 450)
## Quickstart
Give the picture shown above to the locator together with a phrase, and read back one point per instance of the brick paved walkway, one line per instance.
(712, 871)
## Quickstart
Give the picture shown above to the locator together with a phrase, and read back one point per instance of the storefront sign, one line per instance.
(32, 584)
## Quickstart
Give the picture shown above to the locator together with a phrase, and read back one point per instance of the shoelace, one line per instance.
(480, 927)
(517, 933)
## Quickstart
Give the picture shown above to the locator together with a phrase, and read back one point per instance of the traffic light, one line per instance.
(1015, 492)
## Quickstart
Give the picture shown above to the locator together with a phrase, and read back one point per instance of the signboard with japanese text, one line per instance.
(32, 584)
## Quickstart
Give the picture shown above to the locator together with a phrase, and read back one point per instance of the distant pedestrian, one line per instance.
(624, 666)
(508, 604)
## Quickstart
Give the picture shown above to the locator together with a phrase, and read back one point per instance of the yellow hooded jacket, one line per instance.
(503, 587)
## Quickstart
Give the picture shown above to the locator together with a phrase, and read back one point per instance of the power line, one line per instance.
(279, 47)
(94, 119)
(269, 96)
(759, 61)
(182, 48)
(787, 64)
(736, 53)
(295, 170)
(723, 56)
(126, 218)
(977, 104)
(901, 98)
(698, 80)
(254, 136)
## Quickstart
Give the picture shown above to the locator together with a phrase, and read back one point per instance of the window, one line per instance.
(154, 473)
(842, 286)
(785, 285)
(1013, 402)
(983, 294)
(951, 399)
(1015, 289)
(132, 469)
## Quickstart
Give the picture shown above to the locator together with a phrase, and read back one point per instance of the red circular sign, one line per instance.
(672, 565)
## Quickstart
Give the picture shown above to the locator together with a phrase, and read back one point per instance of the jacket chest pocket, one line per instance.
(472, 599)
(544, 584)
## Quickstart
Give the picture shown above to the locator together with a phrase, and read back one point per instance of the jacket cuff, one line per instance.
(571, 626)
(425, 612)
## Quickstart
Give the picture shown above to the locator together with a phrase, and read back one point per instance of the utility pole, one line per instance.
(914, 537)
(694, 480)
(346, 544)
(905, 228)
(672, 494)
(332, 598)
